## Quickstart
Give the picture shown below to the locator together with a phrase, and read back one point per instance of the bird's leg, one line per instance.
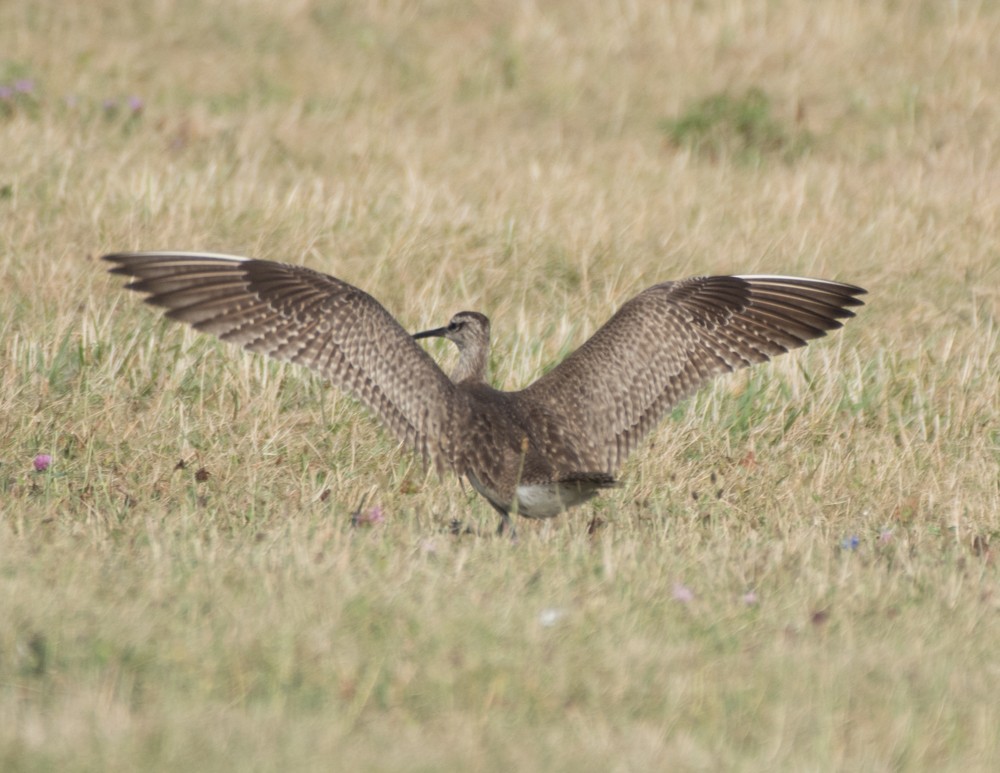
(505, 521)
(505, 524)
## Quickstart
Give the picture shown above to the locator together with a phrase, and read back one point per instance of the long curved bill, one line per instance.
(437, 332)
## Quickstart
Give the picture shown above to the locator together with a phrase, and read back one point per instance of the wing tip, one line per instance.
(128, 263)
(849, 292)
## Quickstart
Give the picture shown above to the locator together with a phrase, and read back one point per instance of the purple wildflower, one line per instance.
(885, 537)
(429, 546)
(135, 104)
(24, 86)
(682, 593)
(750, 598)
(850, 543)
(6, 92)
(372, 516)
(42, 462)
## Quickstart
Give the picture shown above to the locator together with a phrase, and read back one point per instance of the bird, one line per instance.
(533, 452)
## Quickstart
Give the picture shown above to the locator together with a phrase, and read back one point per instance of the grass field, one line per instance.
(799, 571)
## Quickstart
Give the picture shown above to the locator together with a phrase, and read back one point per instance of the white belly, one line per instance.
(549, 499)
(539, 500)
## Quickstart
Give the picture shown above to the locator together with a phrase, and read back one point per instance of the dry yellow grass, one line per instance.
(510, 158)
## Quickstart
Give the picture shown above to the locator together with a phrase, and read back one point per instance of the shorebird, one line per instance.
(534, 452)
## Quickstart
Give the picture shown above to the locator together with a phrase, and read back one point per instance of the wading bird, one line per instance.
(534, 452)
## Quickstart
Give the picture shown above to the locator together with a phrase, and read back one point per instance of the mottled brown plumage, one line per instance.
(534, 452)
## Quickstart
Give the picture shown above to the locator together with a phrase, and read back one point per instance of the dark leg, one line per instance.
(505, 523)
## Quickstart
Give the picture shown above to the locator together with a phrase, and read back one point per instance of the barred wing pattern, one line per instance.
(296, 314)
(669, 340)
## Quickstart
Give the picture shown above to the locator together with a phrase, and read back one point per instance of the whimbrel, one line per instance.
(533, 452)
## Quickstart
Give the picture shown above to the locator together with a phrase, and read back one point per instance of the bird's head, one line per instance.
(470, 332)
(466, 329)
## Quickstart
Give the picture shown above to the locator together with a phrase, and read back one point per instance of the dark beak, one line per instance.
(438, 332)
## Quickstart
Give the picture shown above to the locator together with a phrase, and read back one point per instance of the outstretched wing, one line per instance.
(669, 340)
(293, 313)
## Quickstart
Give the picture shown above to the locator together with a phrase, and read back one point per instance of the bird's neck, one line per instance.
(471, 365)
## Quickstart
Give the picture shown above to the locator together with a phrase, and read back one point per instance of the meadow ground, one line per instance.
(800, 570)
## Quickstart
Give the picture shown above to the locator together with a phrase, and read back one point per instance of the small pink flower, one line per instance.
(42, 462)
(429, 546)
(885, 537)
(750, 598)
(683, 593)
(371, 517)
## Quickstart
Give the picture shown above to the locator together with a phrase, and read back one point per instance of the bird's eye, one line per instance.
(453, 326)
